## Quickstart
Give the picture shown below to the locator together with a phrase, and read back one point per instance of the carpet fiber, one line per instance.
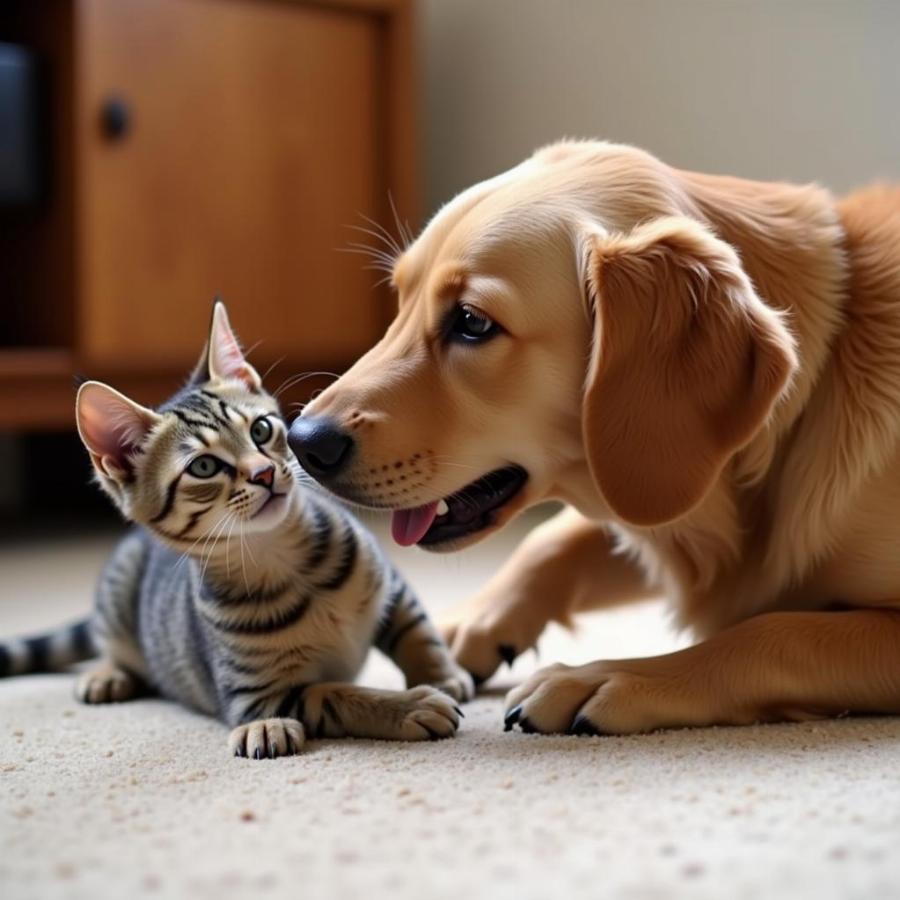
(142, 799)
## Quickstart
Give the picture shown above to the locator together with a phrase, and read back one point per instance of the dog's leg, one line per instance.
(563, 566)
(784, 666)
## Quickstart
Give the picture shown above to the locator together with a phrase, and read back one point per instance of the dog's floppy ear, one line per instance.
(686, 365)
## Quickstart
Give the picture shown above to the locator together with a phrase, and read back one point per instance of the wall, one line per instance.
(773, 89)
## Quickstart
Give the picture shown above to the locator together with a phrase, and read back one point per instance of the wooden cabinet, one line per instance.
(202, 147)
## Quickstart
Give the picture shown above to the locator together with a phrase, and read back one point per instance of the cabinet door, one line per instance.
(223, 146)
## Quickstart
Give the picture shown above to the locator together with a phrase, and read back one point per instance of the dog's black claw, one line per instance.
(527, 725)
(459, 712)
(273, 750)
(432, 734)
(512, 717)
(507, 653)
(257, 753)
(583, 725)
(239, 751)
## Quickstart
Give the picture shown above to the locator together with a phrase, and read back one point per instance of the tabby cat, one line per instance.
(244, 592)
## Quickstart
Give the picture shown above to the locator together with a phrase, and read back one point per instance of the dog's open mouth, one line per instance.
(468, 510)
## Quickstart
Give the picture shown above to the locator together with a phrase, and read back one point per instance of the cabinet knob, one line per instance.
(115, 118)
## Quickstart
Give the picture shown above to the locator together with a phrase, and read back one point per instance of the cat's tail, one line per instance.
(48, 652)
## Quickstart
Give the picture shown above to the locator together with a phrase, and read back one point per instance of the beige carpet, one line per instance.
(142, 800)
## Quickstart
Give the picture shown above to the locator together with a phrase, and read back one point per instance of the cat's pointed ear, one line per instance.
(223, 357)
(112, 427)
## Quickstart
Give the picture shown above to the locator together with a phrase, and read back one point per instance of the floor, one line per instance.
(142, 800)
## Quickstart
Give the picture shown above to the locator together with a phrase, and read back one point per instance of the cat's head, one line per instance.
(211, 462)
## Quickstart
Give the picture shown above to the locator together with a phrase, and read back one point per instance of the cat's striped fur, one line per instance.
(246, 594)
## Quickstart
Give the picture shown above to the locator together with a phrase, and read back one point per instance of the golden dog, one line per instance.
(707, 372)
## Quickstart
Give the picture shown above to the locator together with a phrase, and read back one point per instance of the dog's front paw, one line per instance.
(592, 699)
(482, 635)
(106, 684)
(267, 738)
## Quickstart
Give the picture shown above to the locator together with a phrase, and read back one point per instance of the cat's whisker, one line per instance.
(253, 347)
(250, 553)
(294, 380)
(243, 562)
(205, 553)
(228, 546)
(210, 533)
(217, 532)
(271, 368)
(187, 552)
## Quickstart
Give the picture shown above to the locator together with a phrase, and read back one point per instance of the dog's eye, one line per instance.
(205, 466)
(468, 325)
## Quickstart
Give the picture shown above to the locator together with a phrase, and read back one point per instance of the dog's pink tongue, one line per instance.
(408, 526)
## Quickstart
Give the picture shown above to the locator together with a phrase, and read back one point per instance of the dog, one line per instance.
(706, 371)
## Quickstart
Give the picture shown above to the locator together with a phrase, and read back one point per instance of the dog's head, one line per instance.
(564, 329)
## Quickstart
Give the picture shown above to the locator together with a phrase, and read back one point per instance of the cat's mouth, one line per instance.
(472, 509)
(272, 503)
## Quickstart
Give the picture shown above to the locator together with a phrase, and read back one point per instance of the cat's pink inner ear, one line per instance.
(226, 360)
(111, 426)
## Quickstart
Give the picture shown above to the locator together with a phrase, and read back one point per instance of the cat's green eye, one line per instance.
(261, 430)
(204, 466)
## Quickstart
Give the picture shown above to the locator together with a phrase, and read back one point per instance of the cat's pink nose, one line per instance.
(263, 475)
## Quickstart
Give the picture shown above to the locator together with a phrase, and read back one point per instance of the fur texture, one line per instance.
(707, 371)
(243, 592)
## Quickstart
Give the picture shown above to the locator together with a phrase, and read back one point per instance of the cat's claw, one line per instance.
(267, 738)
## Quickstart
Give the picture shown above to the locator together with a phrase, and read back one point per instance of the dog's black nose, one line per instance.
(322, 447)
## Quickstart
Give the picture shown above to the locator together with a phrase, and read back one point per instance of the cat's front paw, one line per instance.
(106, 684)
(457, 683)
(427, 713)
(267, 738)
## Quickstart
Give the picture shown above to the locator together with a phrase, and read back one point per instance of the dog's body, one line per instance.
(707, 371)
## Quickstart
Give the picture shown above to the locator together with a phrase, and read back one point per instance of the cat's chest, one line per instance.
(303, 635)
(335, 629)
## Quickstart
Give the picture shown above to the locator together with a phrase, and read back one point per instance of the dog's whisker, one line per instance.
(382, 281)
(459, 466)
(363, 245)
(366, 250)
(377, 262)
(377, 267)
(404, 236)
(388, 238)
(366, 247)
(380, 233)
